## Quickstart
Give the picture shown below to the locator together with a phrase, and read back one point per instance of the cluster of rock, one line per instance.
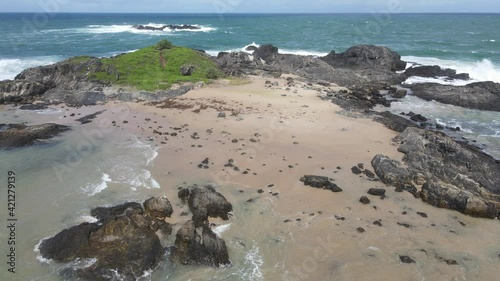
(358, 66)
(320, 182)
(125, 241)
(20, 135)
(451, 174)
(166, 26)
(71, 82)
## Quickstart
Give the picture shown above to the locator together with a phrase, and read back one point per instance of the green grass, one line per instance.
(152, 69)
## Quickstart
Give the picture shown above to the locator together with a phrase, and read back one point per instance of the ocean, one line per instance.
(466, 42)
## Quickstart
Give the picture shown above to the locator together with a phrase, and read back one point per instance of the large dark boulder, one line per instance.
(394, 122)
(198, 245)
(206, 202)
(122, 243)
(266, 52)
(480, 95)
(158, 207)
(366, 56)
(448, 196)
(69, 244)
(435, 71)
(20, 135)
(391, 172)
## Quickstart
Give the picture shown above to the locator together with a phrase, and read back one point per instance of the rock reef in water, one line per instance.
(122, 242)
(167, 26)
(125, 239)
(479, 95)
(435, 71)
(20, 135)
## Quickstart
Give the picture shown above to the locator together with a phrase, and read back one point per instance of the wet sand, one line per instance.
(281, 229)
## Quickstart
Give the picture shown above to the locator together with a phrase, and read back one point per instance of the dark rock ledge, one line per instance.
(20, 135)
(451, 174)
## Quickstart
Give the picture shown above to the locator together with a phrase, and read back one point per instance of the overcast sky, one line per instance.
(250, 6)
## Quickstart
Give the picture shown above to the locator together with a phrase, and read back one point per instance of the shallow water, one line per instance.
(481, 128)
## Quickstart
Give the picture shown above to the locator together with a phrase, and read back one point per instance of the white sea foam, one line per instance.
(82, 263)
(281, 51)
(131, 169)
(439, 80)
(483, 70)
(9, 68)
(39, 257)
(303, 53)
(219, 230)
(97, 187)
(255, 260)
(86, 218)
(122, 28)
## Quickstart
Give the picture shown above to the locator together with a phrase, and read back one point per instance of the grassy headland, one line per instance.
(154, 68)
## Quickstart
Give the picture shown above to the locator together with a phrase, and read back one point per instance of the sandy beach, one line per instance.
(273, 136)
(270, 137)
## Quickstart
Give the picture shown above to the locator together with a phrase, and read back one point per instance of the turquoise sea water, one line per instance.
(467, 41)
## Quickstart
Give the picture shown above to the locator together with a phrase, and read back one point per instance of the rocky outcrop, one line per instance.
(167, 26)
(481, 95)
(390, 171)
(359, 66)
(394, 122)
(122, 243)
(65, 81)
(366, 56)
(448, 196)
(20, 135)
(456, 175)
(435, 71)
(195, 242)
(206, 202)
(393, 173)
(37, 106)
(198, 245)
(320, 182)
(158, 207)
